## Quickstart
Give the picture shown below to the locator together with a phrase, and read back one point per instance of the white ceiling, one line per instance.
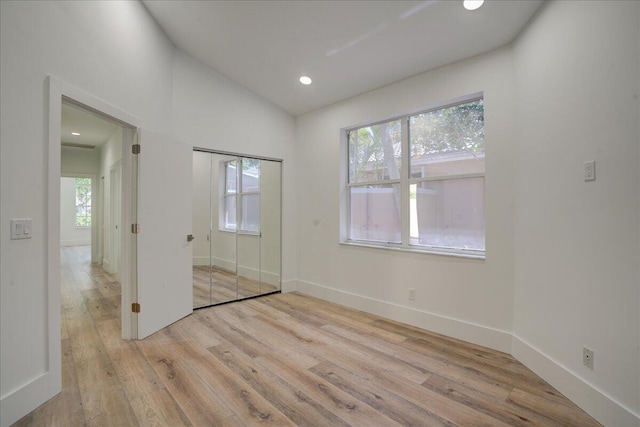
(346, 47)
(92, 129)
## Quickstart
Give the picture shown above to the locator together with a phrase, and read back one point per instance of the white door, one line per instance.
(165, 218)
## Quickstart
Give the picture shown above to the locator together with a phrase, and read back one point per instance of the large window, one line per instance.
(417, 182)
(242, 196)
(83, 202)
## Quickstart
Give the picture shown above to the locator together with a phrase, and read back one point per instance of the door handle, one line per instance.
(190, 237)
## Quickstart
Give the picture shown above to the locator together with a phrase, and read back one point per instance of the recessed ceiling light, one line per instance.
(305, 80)
(472, 4)
(75, 133)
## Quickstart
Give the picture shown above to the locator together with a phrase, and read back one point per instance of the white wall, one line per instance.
(466, 298)
(79, 161)
(70, 235)
(211, 111)
(110, 155)
(576, 242)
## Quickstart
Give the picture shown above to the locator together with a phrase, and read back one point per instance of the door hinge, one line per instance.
(135, 148)
(135, 307)
(135, 228)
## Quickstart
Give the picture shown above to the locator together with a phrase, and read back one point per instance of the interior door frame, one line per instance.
(60, 91)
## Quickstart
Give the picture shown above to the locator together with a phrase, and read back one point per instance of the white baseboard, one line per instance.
(225, 264)
(201, 260)
(270, 278)
(596, 403)
(289, 286)
(16, 404)
(251, 273)
(75, 242)
(106, 265)
(455, 328)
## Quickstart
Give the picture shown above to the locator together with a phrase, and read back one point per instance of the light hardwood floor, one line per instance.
(283, 360)
(224, 286)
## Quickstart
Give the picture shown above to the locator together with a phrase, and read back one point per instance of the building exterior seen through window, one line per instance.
(418, 181)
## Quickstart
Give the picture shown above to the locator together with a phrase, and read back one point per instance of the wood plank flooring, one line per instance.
(224, 286)
(281, 360)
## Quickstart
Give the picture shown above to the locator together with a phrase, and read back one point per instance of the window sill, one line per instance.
(242, 233)
(414, 249)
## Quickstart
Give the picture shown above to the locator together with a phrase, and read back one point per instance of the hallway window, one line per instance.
(83, 202)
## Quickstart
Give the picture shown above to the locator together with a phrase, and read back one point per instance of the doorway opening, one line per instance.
(93, 206)
(91, 147)
(63, 94)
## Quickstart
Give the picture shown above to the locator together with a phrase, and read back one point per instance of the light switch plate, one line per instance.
(20, 228)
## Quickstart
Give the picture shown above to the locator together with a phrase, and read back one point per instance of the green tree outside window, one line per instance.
(83, 202)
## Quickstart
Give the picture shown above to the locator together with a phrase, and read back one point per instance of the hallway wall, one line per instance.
(110, 155)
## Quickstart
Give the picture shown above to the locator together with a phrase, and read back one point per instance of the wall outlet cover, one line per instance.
(587, 357)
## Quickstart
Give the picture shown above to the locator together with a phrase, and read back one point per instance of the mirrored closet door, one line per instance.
(237, 227)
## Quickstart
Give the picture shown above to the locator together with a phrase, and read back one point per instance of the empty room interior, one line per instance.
(318, 213)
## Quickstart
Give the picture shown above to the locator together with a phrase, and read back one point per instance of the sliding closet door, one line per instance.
(224, 195)
(201, 229)
(236, 227)
(248, 236)
(270, 226)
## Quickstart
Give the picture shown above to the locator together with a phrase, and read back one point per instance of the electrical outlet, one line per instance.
(412, 294)
(587, 357)
(590, 171)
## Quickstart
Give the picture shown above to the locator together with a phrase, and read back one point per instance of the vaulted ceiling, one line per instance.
(346, 47)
